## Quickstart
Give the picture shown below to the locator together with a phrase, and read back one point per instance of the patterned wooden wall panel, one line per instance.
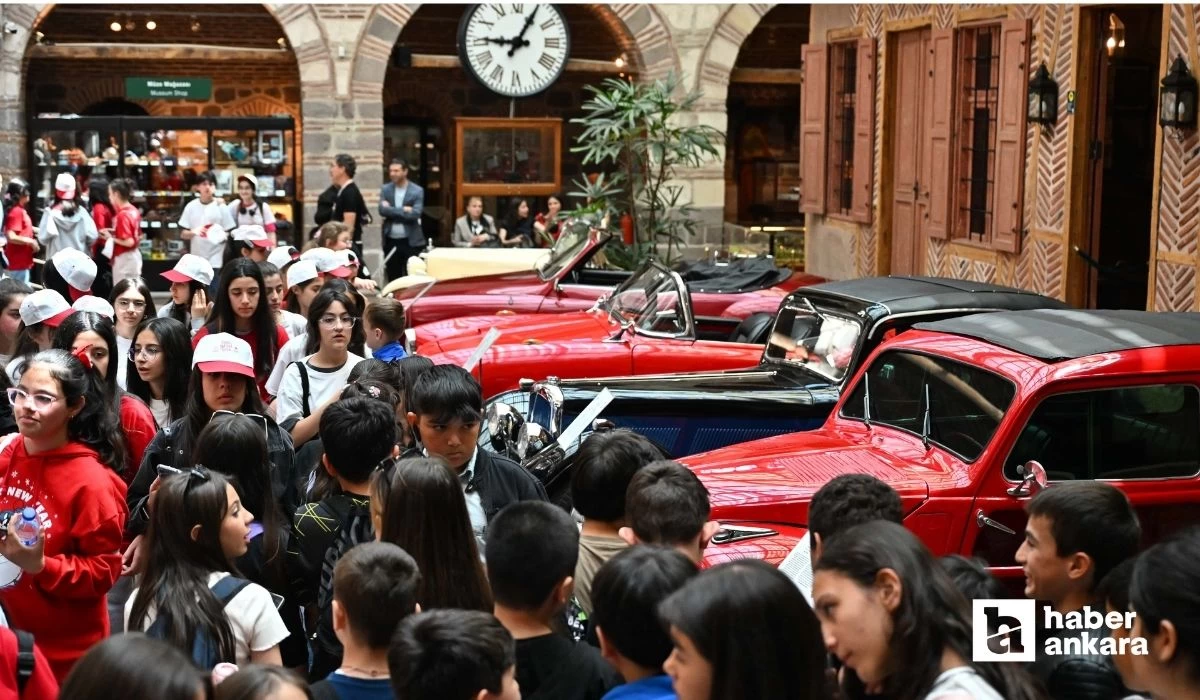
(1045, 266)
(1174, 287)
(943, 15)
(1179, 206)
(1057, 51)
(958, 268)
(867, 241)
(1006, 270)
(983, 271)
(935, 257)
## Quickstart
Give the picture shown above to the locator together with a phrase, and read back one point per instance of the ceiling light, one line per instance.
(195, 24)
(282, 43)
(115, 26)
(620, 62)
(151, 25)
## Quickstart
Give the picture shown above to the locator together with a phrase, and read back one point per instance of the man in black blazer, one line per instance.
(400, 206)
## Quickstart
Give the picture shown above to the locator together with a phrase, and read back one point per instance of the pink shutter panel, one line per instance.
(864, 133)
(1010, 136)
(814, 104)
(938, 142)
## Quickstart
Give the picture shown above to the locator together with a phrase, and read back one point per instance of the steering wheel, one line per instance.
(966, 438)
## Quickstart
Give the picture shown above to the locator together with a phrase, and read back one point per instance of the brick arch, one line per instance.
(721, 51)
(77, 101)
(641, 30)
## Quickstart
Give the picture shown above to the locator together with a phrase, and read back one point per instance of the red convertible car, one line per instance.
(574, 276)
(960, 416)
(648, 326)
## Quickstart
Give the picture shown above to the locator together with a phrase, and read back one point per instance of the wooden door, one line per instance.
(909, 126)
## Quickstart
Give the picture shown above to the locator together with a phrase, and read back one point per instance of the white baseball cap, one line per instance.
(300, 272)
(282, 255)
(325, 259)
(95, 304)
(222, 352)
(77, 269)
(253, 234)
(64, 185)
(191, 268)
(45, 306)
(249, 178)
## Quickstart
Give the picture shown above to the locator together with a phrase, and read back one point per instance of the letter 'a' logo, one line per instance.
(1003, 630)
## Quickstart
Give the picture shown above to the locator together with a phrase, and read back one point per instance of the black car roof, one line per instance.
(1065, 334)
(916, 294)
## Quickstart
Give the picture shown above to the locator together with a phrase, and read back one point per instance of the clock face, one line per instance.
(514, 49)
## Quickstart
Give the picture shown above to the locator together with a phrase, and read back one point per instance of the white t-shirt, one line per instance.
(162, 412)
(253, 619)
(294, 324)
(962, 683)
(193, 324)
(292, 351)
(122, 360)
(196, 215)
(259, 215)
(322, 384)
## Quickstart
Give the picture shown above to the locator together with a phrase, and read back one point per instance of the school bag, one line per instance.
(206, 651)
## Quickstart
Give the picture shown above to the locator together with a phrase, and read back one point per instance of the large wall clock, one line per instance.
(514, 49)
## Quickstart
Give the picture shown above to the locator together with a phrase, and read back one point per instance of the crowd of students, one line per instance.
(208, 529)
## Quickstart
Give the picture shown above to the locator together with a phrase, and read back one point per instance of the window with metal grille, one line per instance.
(842, 90)
(978, 98)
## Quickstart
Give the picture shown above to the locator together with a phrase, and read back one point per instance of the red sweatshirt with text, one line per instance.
(81, 506)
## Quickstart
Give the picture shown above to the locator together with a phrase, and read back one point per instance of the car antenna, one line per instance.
(926, 425)
(867, 399)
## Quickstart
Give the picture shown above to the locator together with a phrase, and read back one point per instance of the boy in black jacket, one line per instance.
(445, 409)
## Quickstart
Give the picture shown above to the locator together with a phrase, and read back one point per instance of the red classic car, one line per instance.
(574, 276)
(646, 327)
(960, 415)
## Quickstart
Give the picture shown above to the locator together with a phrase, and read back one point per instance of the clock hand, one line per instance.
(520, 40)
(491, 40)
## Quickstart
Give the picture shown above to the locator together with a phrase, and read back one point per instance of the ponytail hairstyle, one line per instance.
(122, 186)
(68, 207)
(96, 425)
(224, 320)
(14, 193)
(177, 568)
(176, 344)
(236, 446)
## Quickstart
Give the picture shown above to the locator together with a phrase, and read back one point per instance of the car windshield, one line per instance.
(814, 338)
(651, 302)
(955, 405)
(566, 249)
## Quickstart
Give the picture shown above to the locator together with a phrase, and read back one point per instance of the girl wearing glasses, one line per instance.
(241, 309)
(90, 337)
(199, 527)
(132, 301)
(222, 381)
(64, 465)
(161, 356)
(312, 383)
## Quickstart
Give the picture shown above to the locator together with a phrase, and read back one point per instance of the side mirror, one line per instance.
(1033, 479)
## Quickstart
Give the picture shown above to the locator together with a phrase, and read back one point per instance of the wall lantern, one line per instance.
(1177, 99)
(1043, 98)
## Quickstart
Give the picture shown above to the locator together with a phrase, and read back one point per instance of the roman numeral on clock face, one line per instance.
(553, 42)
(519, 9)
(516, 81)
(546, 61)
(499, 10)
(484, 59)
(547, 24)
(497, 74)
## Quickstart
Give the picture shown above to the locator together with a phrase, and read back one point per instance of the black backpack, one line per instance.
(26, 661)
(206, 652)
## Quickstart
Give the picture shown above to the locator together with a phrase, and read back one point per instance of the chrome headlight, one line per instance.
(504, 423)
(532, 439)
(550, 392)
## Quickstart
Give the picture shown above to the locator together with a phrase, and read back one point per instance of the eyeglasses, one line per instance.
(150, 351)
(41, 402)
(252, 416)
(331, 321)
(135, 304)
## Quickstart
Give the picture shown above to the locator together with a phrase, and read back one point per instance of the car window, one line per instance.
(1146, 432)
(652, 302)
(814, 338)
(965, 407)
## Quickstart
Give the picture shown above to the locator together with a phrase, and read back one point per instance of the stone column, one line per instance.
(12, 97)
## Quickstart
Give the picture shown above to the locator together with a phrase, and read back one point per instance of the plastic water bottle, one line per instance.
(27, 527)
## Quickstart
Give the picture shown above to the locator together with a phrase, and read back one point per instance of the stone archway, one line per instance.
(721, 51)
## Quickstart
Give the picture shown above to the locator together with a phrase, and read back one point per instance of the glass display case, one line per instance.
(421, 144)
(507, 157)
(163, 158)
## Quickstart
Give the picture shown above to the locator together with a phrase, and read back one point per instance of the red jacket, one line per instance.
(81, 505)
(40, 686)
(137, 422)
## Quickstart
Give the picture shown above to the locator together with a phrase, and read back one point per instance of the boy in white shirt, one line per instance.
(205, 222)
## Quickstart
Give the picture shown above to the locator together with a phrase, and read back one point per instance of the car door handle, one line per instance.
(984, 521)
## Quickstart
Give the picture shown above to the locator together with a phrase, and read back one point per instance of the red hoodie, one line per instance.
(81, 506)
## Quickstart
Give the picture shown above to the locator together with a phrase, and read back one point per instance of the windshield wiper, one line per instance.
(867, 399)
(926, 419)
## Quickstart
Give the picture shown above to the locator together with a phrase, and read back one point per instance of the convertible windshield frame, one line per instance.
(678, 288)
(569, 249)
(804, 305)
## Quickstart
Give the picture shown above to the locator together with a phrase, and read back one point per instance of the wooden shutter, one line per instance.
(814, 104)
(1010, 136)
(939, 139)
(864, 132)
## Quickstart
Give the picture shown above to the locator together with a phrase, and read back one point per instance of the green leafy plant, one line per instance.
(641, 130)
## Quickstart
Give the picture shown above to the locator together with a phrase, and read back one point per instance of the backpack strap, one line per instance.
(304, 388)
(26, 660)
(227, 588)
